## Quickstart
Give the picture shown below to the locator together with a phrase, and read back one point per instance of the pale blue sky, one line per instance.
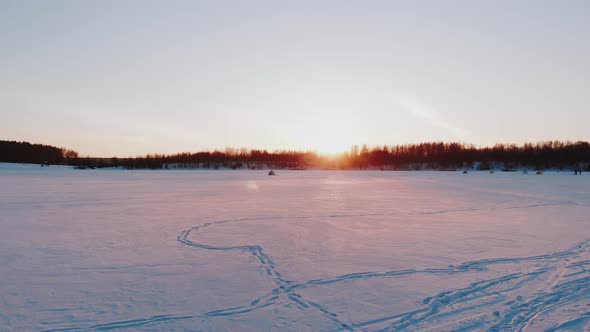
(133, 77)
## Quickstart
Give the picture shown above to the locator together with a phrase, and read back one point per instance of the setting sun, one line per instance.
(329, 140)
(325, 133)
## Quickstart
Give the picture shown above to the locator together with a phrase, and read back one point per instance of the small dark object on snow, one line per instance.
(271, 173)
(578, 170)
(464, 172)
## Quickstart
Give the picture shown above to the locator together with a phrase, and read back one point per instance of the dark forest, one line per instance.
(436, 155)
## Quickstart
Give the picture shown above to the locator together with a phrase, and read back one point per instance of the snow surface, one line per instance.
(303, 251)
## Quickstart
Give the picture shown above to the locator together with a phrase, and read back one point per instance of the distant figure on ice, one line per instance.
(577, 170)
(271, 173)
(464, 172)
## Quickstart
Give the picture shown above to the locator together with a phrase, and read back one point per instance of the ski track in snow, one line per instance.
(567, 271)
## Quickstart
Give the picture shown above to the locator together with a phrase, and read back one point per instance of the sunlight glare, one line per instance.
(329, 135)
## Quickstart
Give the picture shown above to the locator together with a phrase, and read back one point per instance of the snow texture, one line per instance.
(101, 250)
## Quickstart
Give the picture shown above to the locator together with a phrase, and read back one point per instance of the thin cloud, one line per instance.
(431, 115)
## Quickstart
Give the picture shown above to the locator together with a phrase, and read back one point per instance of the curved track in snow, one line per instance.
(558, 279)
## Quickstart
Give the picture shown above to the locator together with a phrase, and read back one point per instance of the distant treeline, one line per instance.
(24, 152)
(438, 155)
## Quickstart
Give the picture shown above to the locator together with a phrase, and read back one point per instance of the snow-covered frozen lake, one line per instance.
(301, 251)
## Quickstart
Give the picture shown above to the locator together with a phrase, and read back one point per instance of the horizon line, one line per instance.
(314, 151)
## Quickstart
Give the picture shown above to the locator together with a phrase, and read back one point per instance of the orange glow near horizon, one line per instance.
(332, 146)
(329, 135)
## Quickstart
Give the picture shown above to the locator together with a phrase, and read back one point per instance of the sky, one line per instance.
(127, 78)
